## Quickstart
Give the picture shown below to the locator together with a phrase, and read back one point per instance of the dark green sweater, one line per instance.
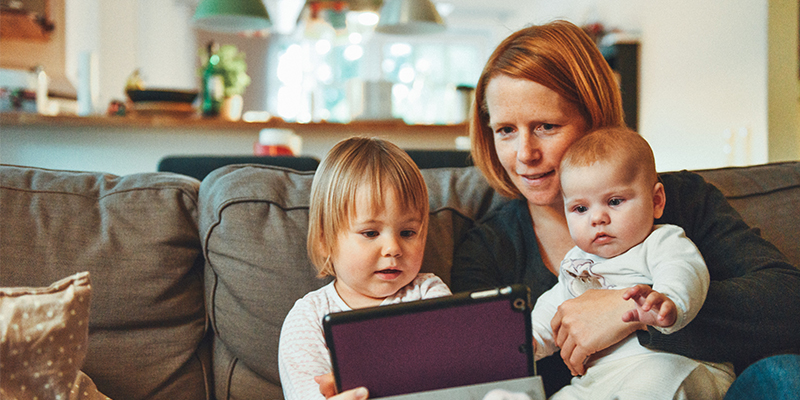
(753, 304)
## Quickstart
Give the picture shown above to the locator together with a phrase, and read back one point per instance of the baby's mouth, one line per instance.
(602, 238)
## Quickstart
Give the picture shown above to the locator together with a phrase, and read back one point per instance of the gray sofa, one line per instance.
(191, 281)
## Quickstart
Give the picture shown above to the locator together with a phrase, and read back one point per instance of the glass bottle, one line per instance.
(213, 85)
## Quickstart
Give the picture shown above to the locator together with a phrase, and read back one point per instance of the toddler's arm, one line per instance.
(652, 308)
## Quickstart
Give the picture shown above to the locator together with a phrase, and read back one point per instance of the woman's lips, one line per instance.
(536, 177)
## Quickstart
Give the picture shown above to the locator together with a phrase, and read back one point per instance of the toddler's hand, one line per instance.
(652, 308)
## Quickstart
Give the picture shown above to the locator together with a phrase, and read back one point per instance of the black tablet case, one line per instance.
(465, 339)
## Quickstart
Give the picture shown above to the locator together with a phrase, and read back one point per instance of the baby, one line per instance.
(612, 195)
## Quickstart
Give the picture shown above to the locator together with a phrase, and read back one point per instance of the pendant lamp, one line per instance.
(231, 16)
(409, 17)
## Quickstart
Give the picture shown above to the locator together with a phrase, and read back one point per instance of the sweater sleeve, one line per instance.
(302, 353)
(678, 271)
(753, 302)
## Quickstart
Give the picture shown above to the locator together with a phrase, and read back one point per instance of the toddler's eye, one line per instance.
(615, 202)
(369, 234)
(408, 233)
(580, 209)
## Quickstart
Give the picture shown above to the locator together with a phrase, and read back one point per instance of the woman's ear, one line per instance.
(659, 200)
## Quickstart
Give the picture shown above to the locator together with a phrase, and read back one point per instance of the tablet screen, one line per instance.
(459, 340)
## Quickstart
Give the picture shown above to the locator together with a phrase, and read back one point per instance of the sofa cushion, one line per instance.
(43, 337)
(137, 236)
(253, 225)
(766, 196)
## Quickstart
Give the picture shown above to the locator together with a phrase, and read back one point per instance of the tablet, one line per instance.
(465, 339)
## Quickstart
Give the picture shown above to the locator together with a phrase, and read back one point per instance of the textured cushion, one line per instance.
(137, 236)
(767, 196)
(43, 337)
(253, 223)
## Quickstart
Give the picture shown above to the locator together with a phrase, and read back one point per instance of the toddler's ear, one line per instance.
(659, 200)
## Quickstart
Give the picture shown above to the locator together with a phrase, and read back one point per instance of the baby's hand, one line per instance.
(652, 308)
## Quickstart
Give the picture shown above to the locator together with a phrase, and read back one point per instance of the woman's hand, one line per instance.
(327, 387)
(590, 323)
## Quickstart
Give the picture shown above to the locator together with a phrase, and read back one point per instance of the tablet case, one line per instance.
(465, 339)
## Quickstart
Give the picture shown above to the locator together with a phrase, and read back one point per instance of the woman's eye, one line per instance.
(504, 131)
(546, 128)
(615, 202)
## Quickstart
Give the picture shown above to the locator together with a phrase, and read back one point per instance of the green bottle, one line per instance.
(213, 85)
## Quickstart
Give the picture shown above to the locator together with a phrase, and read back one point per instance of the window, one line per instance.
(325, 74)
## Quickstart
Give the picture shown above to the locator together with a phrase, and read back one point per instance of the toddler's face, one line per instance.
(379, 253)
(608, 211)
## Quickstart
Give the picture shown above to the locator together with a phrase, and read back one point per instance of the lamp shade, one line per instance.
(409, 17)
(231, 16)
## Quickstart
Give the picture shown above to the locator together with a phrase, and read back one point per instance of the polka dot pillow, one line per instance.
(43, 338)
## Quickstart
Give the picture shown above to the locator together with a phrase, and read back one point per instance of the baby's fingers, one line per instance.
(630, 316)
(667, 314)
(654, 299)
(636, 291)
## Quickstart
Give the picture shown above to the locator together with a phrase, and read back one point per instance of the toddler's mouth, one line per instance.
(389, 272)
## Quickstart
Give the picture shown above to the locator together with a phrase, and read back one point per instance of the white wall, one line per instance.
(703, 73)
(151, 35)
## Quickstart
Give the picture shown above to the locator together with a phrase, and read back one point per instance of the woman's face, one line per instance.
(532, 126)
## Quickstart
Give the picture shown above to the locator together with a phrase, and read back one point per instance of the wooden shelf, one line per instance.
(21, 120)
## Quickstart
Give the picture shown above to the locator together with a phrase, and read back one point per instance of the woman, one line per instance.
(542, 88)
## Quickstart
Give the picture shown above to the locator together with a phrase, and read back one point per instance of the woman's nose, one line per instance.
(528, 150)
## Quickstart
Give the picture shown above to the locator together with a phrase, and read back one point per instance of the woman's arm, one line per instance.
(503, 250)
(754, 298)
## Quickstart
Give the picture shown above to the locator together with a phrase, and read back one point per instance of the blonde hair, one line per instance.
(560, 56)
(357, 164)
(614, 144)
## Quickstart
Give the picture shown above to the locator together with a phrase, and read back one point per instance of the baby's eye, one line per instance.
(615, 202)
(580, 209)
(369, 234)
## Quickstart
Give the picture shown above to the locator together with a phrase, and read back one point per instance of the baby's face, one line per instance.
(608, 211)
(379, 253)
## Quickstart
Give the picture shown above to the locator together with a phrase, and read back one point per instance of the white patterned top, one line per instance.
(302, 353)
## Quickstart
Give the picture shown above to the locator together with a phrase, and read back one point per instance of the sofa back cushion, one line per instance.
(253, 226)
(137, 237)
(767, 196)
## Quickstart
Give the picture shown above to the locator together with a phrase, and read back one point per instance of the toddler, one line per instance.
(611, 197)
(368, 221)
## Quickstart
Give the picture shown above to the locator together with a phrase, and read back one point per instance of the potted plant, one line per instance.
(226, 64)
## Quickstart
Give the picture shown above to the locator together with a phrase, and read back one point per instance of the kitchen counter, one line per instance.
(124, 145)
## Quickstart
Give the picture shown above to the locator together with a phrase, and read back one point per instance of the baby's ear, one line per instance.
(659, 200)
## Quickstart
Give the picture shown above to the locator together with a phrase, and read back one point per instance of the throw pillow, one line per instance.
(43, 338)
